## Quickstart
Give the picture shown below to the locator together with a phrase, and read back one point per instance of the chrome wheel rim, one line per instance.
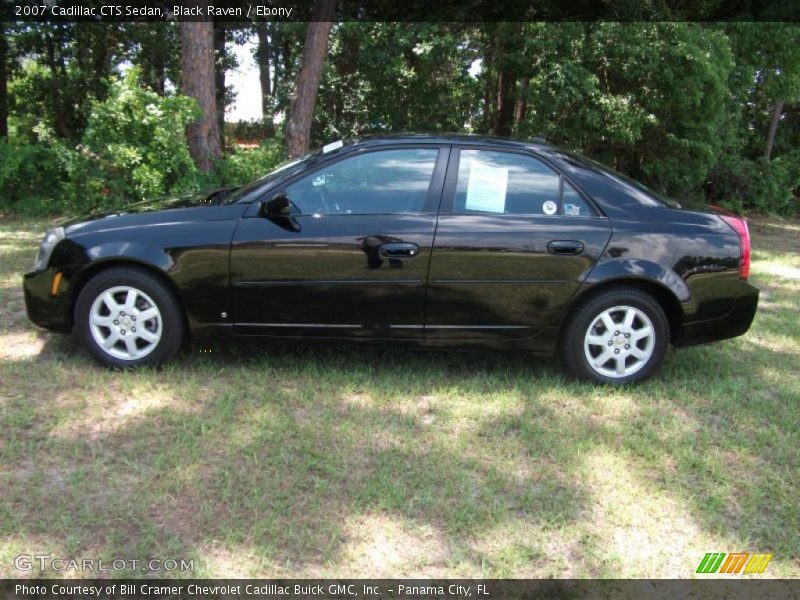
(125, 323)
(619, 342)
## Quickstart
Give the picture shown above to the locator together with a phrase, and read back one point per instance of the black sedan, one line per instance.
(427, 241)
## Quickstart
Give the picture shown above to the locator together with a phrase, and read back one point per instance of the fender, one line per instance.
(635, 268)
(74, 259)
(133, 252)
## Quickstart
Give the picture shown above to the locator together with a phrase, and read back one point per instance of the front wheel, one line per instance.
(126, 317)
(619, 336)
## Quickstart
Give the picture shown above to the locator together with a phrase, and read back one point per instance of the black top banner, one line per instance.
(408, 589)
(401, 10)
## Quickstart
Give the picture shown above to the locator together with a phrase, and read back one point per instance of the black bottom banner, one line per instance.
(416, 589)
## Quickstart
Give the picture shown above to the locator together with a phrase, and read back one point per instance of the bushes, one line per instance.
(134, 147)
(31, 175)
(756, 185)
(242, 166)
(135, 140)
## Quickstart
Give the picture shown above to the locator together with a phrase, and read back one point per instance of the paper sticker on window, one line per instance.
(572, 209)
(486, 188)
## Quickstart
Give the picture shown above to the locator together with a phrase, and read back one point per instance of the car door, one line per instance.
(349, 254)
(513, 242)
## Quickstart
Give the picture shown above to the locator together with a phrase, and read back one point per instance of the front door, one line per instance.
(351, 260)
(513, 242)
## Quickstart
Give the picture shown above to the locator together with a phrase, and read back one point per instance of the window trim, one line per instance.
(432, 199)
(451, 183)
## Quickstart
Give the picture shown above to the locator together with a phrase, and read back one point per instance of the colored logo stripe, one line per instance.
(734, 562)
(711, 562)
(758, 562)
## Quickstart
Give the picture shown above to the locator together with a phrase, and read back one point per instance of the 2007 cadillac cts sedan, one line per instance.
(451, 241)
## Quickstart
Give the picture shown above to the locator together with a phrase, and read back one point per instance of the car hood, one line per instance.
(196, 206)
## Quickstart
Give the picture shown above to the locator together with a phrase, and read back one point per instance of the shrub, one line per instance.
(768, 187)
(31, 176)
(241, 166)
(135, 142)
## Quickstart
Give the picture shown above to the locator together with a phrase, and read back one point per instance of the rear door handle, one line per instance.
(399, 250)
(565, 247)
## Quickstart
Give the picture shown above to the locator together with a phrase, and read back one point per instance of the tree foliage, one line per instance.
(702, 112)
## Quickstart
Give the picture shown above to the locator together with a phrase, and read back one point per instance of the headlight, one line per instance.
(51, 238)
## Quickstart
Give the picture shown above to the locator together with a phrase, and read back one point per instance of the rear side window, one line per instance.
(573, 204)
(380, 182)
(505, 183)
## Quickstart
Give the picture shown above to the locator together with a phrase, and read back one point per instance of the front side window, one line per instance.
(381, 182)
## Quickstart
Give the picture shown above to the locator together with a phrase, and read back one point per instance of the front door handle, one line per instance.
(565, 247)
(399, 250)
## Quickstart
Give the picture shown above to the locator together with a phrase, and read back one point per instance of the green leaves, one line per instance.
(137, 139)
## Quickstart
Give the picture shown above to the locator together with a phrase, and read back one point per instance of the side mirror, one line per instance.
(279, 211)
(279, 207)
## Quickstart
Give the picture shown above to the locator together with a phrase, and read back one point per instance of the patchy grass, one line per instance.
(333, 462)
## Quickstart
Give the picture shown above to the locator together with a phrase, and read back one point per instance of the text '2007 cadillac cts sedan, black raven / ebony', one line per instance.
(434, 241)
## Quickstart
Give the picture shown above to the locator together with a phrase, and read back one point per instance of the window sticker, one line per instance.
(572, 209)
(486, 188)
(549, 207)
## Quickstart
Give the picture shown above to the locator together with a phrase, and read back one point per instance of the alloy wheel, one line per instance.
(125, 323)
(619, 341)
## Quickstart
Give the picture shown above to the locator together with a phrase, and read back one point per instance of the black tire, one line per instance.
(168, 326)
(575, 344)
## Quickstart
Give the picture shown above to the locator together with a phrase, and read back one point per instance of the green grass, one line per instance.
(354, 462)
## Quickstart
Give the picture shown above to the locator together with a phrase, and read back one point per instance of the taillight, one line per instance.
(739, 225)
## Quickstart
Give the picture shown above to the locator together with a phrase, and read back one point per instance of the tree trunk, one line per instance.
(3, 84)
(197, 66)
(219, 78)
(263, 59)
(56, 66)
(777, 110)
(521, 110)
(506, 84)
(301, 112)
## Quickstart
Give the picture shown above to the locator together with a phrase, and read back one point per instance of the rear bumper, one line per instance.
(734, 324)
(44, 309)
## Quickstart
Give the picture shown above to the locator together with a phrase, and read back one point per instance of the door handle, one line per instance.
(565, 247)
(399, 250)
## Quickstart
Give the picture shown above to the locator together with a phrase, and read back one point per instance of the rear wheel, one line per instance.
(618, 336)
(126, 317)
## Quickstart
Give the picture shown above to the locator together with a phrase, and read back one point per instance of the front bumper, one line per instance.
(46, 310)
(734, 324)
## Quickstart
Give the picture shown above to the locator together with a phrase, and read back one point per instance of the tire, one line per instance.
(617, 336)
(126, 317)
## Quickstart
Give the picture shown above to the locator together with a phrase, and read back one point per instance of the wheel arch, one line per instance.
(92, 270)
(665, 297)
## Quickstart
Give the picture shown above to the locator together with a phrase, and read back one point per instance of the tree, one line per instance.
(151, 47)
(220, 67)
(298, 126)
(768, 57)
(264, 59)
(3, 83)
(506, 57)
(197, 64)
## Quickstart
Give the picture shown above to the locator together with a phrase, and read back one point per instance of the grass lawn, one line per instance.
(335, 462)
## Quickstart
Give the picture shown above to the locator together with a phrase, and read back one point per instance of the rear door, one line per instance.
(352, 258)
(513, 242)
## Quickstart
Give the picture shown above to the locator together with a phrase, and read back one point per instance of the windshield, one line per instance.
(283, 169)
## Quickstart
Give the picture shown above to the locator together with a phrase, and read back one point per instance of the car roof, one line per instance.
(445, 138)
